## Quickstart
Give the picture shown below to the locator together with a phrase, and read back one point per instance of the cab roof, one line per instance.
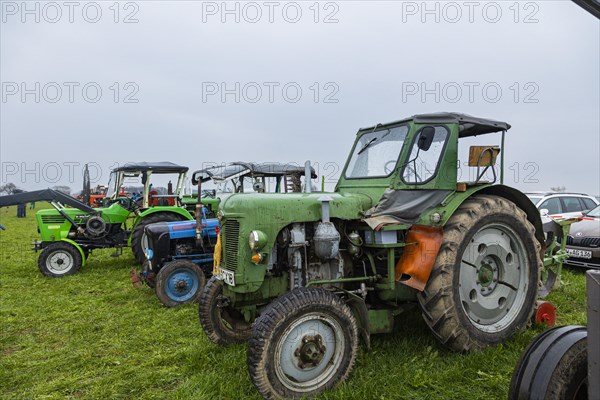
(267, 169)
(163, 167)
(467, 124)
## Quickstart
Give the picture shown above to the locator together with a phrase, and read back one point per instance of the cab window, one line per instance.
(422, 165)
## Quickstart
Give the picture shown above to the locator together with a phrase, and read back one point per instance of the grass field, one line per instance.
(92, 335)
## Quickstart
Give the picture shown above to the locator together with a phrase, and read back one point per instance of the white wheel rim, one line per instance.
(60, 262)
(310, 378)
(493, 278)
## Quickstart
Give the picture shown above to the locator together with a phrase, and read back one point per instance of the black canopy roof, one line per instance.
(468, 125)
(163, 167)
(262, 169)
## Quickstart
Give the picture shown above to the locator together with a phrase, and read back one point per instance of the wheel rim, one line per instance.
(309, 352)
(493, 278)
(59, 262)
(181, 285)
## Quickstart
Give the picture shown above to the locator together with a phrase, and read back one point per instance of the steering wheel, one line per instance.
(388, 167)
(129, 204)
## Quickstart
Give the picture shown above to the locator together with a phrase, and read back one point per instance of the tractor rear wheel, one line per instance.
(179, 282)
(59, 259)
(304, 343)
(553, 367)
(138, 232)
(483, 285)
(222, 324)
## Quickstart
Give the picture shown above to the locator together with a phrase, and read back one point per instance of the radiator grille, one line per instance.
(53, 219)
(583, 242)
(231, 233)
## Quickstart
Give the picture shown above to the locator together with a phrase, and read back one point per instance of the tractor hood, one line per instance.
(285, 208)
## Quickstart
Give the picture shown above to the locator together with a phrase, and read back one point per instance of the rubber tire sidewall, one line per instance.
(161, 281)
(66, 247)
(210, 317)
(274, 321)
(524, 316)
(454, 328)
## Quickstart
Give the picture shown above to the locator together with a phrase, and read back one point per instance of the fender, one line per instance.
(451, 203)
(177, 210)
(160, 209)
(83, 260)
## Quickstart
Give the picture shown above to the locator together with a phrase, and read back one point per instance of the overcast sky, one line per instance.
(207, 82)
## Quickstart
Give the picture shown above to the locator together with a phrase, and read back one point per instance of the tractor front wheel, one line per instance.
(304, 343)
(483, 285)
(138, 232)
(59, 259)
(222, 323)
(179, 282)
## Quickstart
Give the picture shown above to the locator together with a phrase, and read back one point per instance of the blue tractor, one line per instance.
(178, 259)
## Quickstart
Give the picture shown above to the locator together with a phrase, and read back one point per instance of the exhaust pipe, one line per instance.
(307, 177)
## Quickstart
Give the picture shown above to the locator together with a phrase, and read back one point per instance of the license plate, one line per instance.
(228, 277)
(579, 253)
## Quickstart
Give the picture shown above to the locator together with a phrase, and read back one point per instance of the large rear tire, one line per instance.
(304, 343)
(553, 367)
(222, 324)
(59, 259)
(483, 286)
(138, 232)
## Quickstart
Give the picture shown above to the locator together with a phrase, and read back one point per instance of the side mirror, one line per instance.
(544, 212)
(585, 212)
(426, 138)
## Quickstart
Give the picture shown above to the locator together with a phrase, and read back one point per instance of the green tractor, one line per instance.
(304, 276)
(72, 229)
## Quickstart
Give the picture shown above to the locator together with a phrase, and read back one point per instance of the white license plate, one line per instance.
(228, 277)
(579, 253)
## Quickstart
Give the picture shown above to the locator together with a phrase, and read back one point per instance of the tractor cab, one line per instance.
(150, 175)
(419, 153)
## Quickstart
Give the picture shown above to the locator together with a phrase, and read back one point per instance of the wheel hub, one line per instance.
(310, 352)
(487, 276)
(181, 285)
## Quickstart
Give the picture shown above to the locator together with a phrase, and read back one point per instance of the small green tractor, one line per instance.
(303, 276)
(72, 229)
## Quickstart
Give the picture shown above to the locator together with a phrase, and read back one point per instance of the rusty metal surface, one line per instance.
(417, 260)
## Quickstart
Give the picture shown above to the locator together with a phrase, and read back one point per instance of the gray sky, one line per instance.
(186, 82)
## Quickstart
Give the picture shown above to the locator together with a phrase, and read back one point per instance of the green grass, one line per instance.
(92, 335)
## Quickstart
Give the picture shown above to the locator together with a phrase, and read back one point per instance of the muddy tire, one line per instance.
(59, 259)
(222, 324)
(553, 367)
(483, 285)
(138, 232)
(179, 282)
(305, 342)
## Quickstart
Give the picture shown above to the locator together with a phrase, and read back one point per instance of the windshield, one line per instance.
(534, 199)
(110, 188)
(376, 153)
(595, 213)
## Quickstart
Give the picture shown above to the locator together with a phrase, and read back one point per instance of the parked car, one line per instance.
(583, 242)
(562, 204)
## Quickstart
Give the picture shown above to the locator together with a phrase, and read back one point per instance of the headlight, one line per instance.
(257, 240)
